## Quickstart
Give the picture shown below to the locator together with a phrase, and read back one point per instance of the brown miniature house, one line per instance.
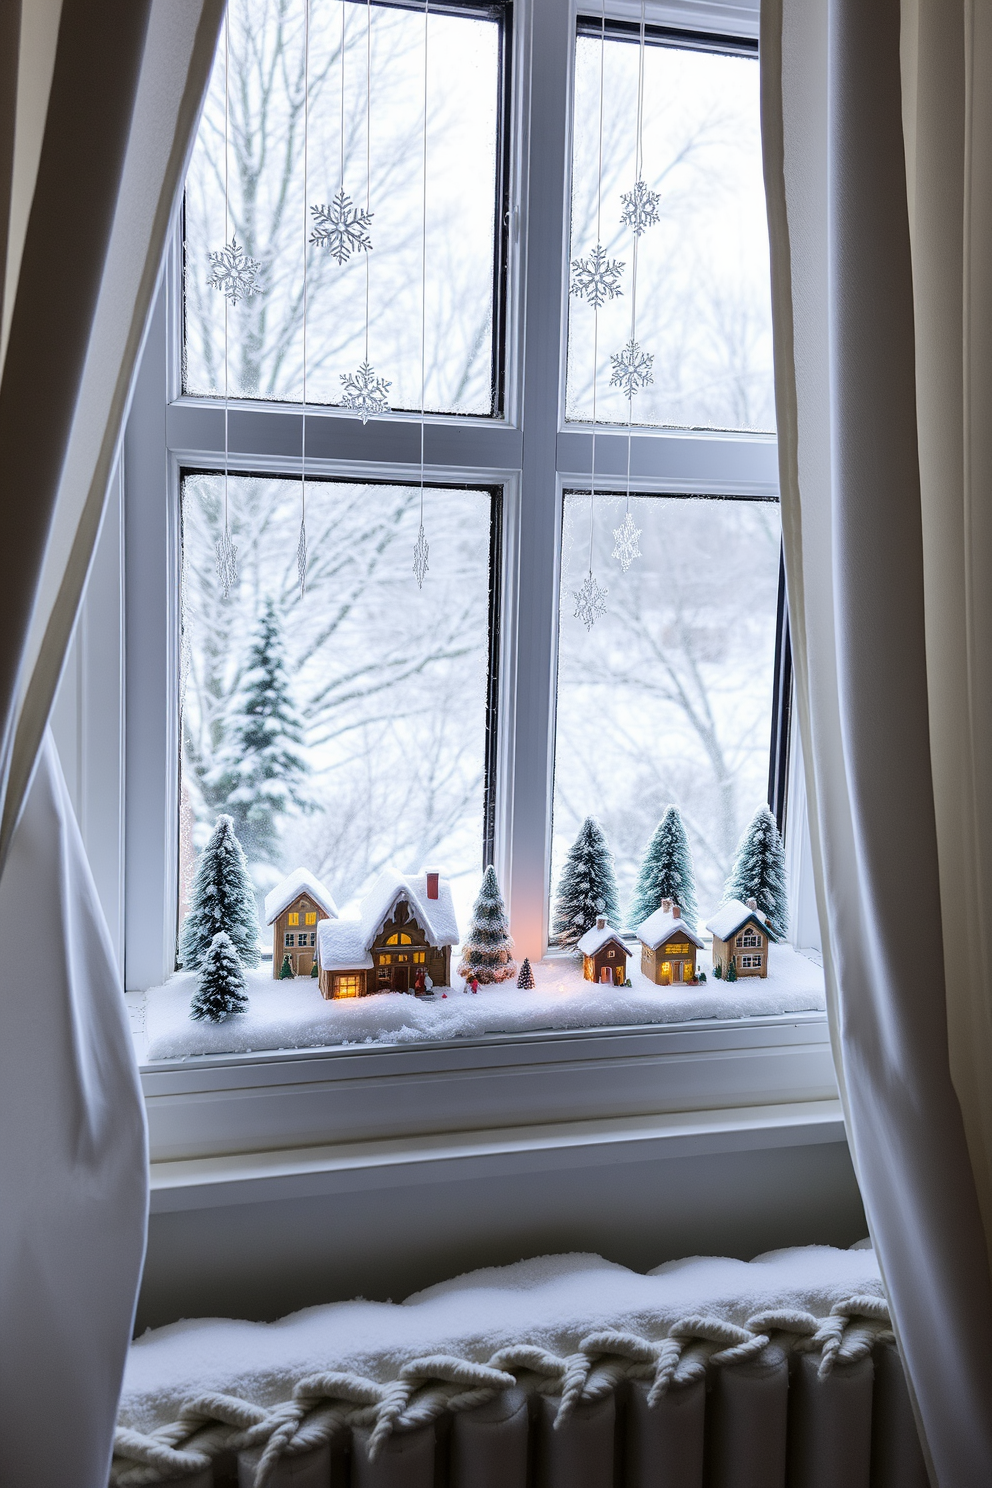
(740, 934)
(403, 932)
(668, 946)
(294, 909)
(604, 955)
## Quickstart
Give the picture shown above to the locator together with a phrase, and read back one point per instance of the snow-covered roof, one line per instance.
(435, 916)
(341, 946)
(300, 881)
(731, 916)
(596, 938)
(661, 925)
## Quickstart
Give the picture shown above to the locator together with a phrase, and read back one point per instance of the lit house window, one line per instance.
(293, 919)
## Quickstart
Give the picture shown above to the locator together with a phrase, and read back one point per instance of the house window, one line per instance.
(750, 961)
(347, 986)
(399, 939)
(420, 957)
(385, 960)
(290, 938)
(311, 918)
(293, 919)
(611, 955)
(749, 938)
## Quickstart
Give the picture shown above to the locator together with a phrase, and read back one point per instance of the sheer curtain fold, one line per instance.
(98, 106)
(872, 138)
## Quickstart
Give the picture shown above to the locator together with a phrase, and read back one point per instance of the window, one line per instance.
(290, 938)
(750, 961)
(420, 957)
(347, 986)
(311, 918)
(749, 938)
(293, 919)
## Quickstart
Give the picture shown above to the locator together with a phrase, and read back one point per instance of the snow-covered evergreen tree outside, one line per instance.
(587, 886)
(666, 872)
(260, 773)
(487, 946)
(221, 983)
(221, 899)
(526, 978)
(759, 872)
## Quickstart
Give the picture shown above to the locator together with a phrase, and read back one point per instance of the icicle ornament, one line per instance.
(227, 562)
(421, 554)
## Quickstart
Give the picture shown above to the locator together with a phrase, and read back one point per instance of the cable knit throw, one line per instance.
(571, 1327)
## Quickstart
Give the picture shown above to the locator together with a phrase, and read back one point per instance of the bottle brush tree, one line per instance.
(285, 969)
(526, 977)
(759, 872)
(665, 873)
(220, 988)
(221, 899)
(487, 946)
(731, 970)
(587, 886)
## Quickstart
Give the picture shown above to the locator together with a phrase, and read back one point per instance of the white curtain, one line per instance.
(877, 125)
(98, 106)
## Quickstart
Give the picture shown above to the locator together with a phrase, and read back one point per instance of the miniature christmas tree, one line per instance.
(731, 970)
(759, 872)
(487, 946)
(220, 987)
(587, 886)
(315, 969)
(222, 899)
(526, 977)
(665, 873)
(285, 969)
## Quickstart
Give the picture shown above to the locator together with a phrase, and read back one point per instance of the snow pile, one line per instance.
(552, 1302)
(291, 1014)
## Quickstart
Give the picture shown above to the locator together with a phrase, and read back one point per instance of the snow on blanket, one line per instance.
(291, 1014)
(553, 1302)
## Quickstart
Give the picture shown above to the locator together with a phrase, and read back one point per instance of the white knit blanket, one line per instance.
(569, 1326)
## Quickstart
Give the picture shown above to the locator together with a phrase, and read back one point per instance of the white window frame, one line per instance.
(223, 1105)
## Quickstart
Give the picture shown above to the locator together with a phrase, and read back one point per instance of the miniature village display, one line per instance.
(741, 938)
(486, 954)
(401, 936)
(668, 946)
(294, 909)
(604, 955)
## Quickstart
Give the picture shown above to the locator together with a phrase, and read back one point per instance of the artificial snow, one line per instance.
(300, 881)
(291, 1014)
(596, 938)
(552, 1302)
(730, 917)
(661, 925)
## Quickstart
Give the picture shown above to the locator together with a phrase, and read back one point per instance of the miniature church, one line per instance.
(294, 909)
(604, 955)
(740, 936)
(400, 940)
(668, 946)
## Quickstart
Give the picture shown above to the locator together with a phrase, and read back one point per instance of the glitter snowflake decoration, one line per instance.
(640, 208)
(227, 562)
(590, 601)
(626, 548)
(596, 279)
(364, 392)
(631, 369)
(342, 228)
(421, 553)
(301, 558)
(234, 272)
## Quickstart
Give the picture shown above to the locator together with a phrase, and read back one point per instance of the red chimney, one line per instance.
(432, 883)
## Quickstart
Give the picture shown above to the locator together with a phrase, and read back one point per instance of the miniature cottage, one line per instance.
(668, 946)
(295, 909)
(740, 934)
(604, 955)
(402, 936)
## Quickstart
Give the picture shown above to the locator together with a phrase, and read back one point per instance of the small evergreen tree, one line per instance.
(220, 989)
(731, 970)
(285, 969)
(665, 873)
(221, 899)
(717, 970)
(315, 969)
(526, 977)
(487, 946)
(759, 872)
(587, 886)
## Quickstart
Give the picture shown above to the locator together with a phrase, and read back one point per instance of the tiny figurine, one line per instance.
(221, 984)
(604, 954)
(294, 909)
(741, 938)
(759, 873)
(587, 887)
(526, 977)
(405, 926)
(486, 950)
(665, 873)
(221, 899)
(668, 946)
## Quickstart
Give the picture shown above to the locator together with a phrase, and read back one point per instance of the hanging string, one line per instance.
(421, 551)
(637, 203)
(301, 549)
(227, 553)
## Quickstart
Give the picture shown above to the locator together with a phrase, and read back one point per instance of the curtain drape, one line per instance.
(877, 132)
(98, 105)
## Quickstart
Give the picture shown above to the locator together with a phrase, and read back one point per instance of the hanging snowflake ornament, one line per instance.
(234, 272)
(631, 368)
(640, 208)
(342, 228)
(421, 553)
(596, 279)
(227, 562)
(626, 548)
(590, 601)
(365, 393)
(301, 557)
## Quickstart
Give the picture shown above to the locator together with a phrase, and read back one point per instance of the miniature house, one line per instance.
(740, 934)
(604, 955)
(295, 909)
(668, 946)
(403, 932)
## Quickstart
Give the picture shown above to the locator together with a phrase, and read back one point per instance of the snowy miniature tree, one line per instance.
(665, 873)
(587, 886)
(220, 989)
(759, 872)
(526, 977)
(731, 970)
(260, 773)
(221, 899)
(285, 969)
(487, 946)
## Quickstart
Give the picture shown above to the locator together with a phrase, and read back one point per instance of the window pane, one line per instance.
(667, 700)
(379, 691)
(703, 307)
(266, 206)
